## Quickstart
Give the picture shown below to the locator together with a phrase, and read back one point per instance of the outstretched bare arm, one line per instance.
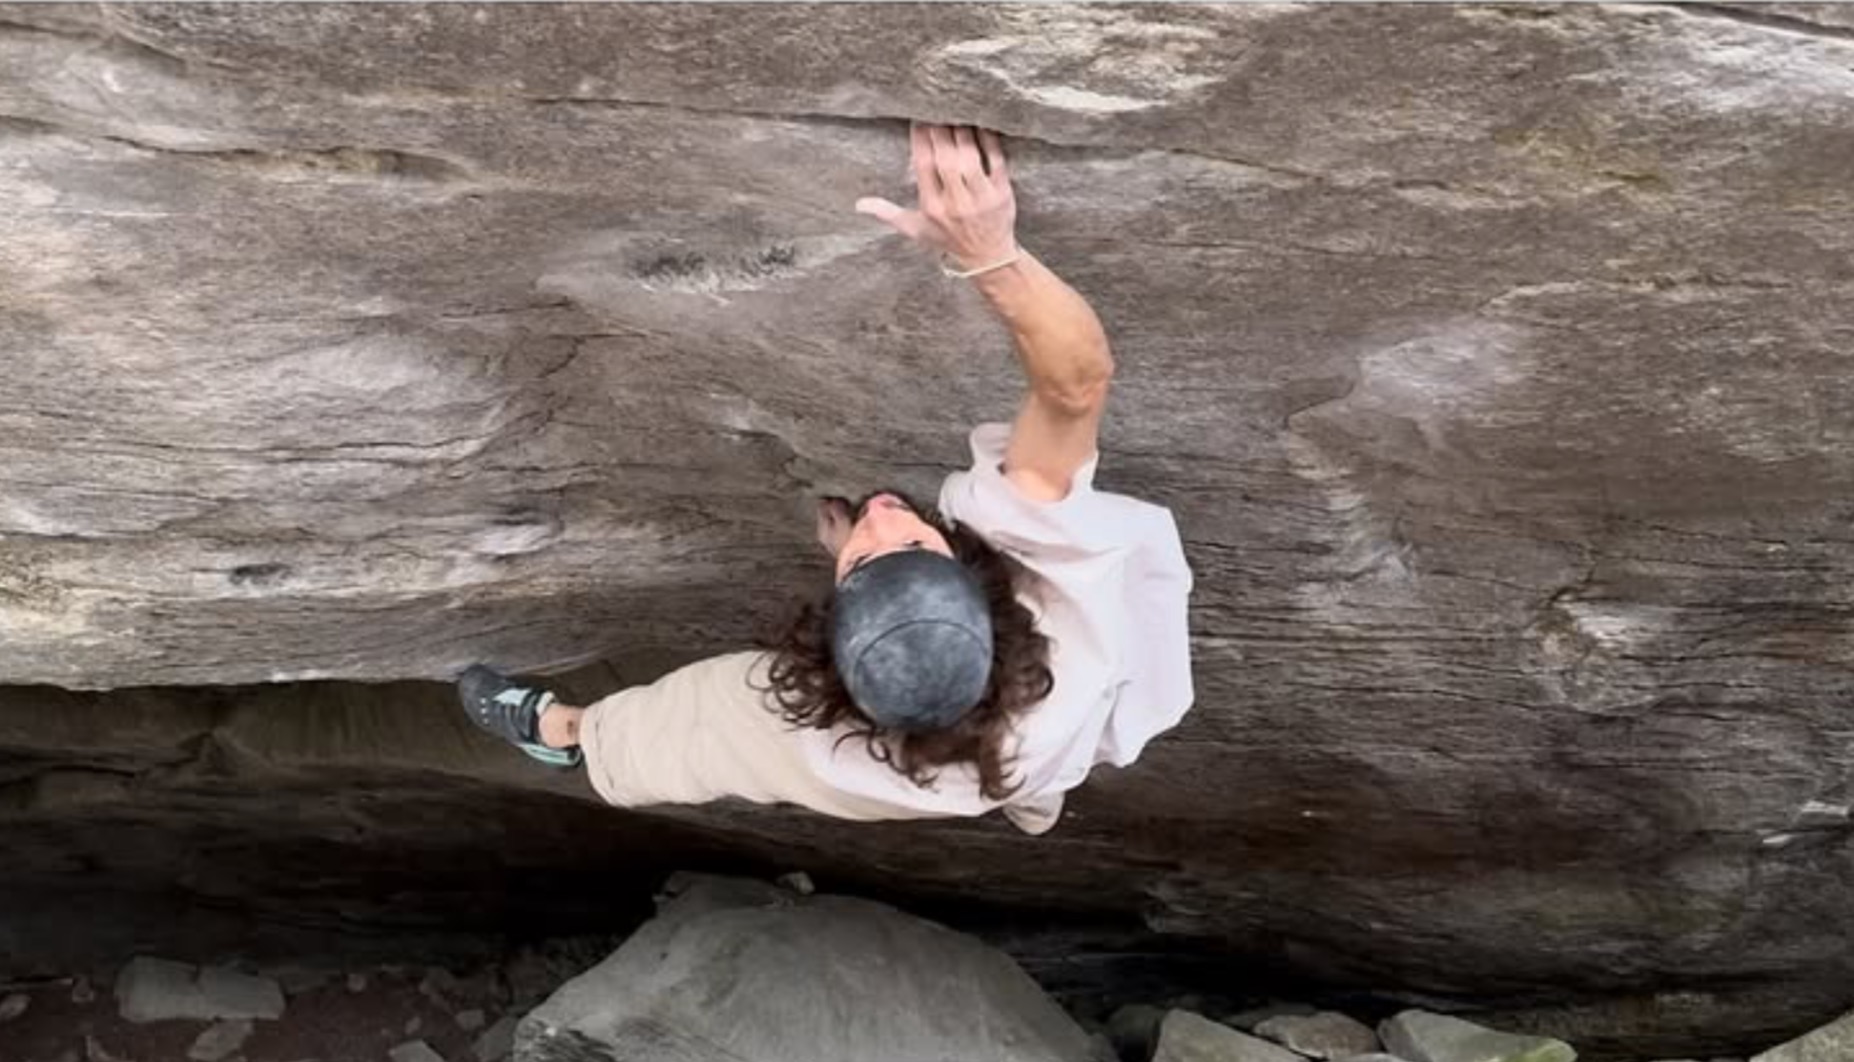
(968, 212)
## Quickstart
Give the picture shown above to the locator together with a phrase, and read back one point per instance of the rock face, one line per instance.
(1496, 375)
(737, 969)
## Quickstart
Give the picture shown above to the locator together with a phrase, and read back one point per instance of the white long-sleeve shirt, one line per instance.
(1108, 584)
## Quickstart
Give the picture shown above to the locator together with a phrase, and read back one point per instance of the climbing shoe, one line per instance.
(512, 712)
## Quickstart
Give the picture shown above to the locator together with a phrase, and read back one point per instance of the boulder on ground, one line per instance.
(159, 990)
(1419, 1036)
(1187, 1037)
(1833, 1042)
(219, 1041)
(1134, 1030)
(731, 970)
(414, 1051)
(1327, 1034)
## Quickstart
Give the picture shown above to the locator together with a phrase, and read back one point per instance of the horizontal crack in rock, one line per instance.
(1763, 19)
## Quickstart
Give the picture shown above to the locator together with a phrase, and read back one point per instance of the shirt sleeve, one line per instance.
(1034, 532)
(1114, 584)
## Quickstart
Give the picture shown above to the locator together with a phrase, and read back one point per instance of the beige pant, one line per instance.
(704, 732)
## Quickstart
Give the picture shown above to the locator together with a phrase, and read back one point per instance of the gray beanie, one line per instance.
(911, 638)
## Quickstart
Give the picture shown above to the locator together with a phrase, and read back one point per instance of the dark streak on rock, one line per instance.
(779, 258)
(1763, 19)
(314, 162)
(344, 161)
(672, 267)
(16, 126)
(112, 38)
(267, 574)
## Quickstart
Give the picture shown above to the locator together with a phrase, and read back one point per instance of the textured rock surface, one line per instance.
(159, 990)
(1497, 378)
(1187, 1037)
(220, 1040)
(1324, 1035)
(738, 969)
(1423, 1037)
(1830, 1043)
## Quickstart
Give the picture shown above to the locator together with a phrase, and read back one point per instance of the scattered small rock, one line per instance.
(799, 882)
(297, 980)
(414, 1051)
(1420, 1036)
(530, 977)
(1188, 1037)
(497, 1041)
(1134, 1029)
(1247, 1020)
(413, 1026)
(159, 990)
(440, 986)
(82, 991)
(357, 982)
(469, 1020)
(234, 994)
(94, 1051)
(1832, 1041)
(14, 1005)
(1326, 1035)
(219, 1041)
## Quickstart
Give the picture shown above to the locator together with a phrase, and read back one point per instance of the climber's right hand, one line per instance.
(967, 209)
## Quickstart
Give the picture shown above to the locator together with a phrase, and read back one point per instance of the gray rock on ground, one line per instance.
(1325, 1035)
(497, 1042)
(151, 989)
(14, 1005)
(94, 1051)
(414, 1051)
(469, 1020)
(730, 970)
(1188, 1037)
(1420, 1036)
(219, 1041)
(296, 979)
(1247, 1020)
(1833, 1042)
(1133, 1030)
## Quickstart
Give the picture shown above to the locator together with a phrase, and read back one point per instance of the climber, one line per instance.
(983, 657)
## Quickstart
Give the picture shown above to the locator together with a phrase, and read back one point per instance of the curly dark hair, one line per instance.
(803, 679)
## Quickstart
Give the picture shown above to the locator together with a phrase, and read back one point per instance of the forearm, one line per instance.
(1060, 341)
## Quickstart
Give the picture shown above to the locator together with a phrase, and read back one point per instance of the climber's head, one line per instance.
(910, 627)
(922, 645)
(882, 523)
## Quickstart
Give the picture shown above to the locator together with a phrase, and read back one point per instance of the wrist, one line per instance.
(1005, 279)
(960, 267)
